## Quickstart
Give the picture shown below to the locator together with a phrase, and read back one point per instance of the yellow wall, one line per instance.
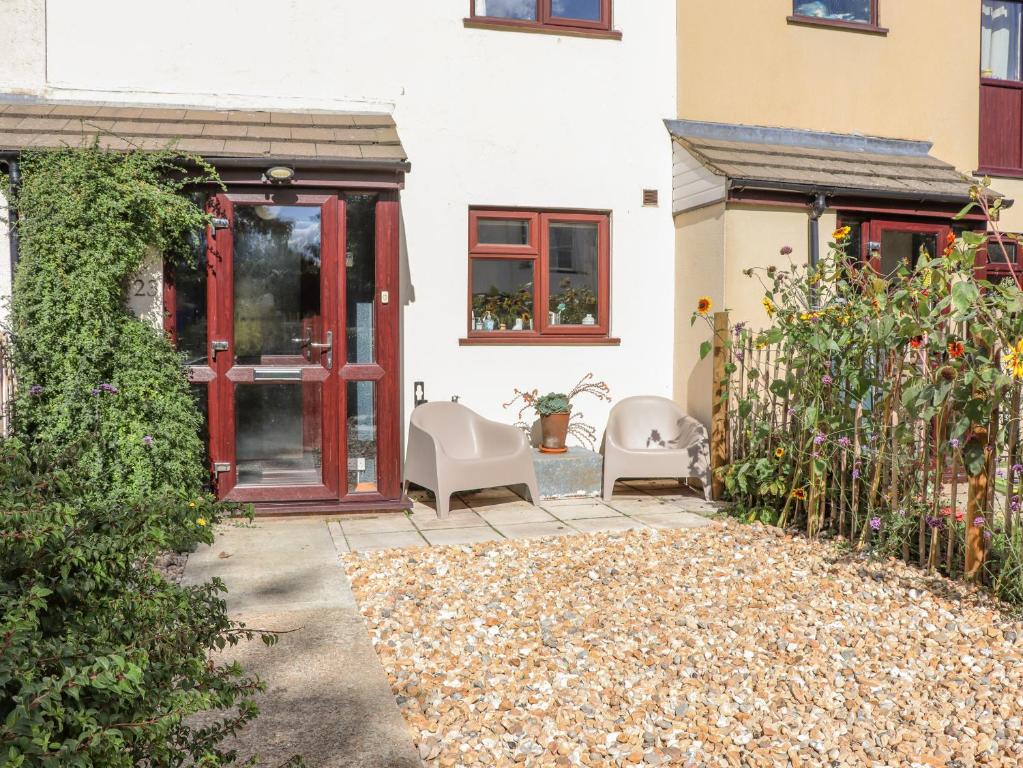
(699, 271)
(740, 61)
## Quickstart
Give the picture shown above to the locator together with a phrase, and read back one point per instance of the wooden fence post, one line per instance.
(719, 413)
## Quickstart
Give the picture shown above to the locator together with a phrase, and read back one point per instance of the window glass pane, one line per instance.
(996, 255)
(573, 285)
(190, 305)
(507, 9)
(360, 275)
(201, 393)
(583, 10)
(278, 433)
(839, 10)
(1000, 39)
(502, 295)
(276, 281)
(502, 231)
(362, 437)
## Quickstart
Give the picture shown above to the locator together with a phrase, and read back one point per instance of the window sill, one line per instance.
(512, 26)
(1000, 173)
(540, 341)
(851, 26)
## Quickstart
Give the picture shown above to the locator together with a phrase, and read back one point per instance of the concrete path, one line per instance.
(327, 695)
(498, 513)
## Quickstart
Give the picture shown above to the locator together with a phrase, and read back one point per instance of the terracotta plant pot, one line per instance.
(554, 429)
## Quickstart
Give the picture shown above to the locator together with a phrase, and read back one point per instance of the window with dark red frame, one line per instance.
(1003, 259)
(855, 14)
(558, 15)
(1001, 87)
(538, 276)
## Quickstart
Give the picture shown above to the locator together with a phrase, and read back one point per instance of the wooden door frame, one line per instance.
(874, 226)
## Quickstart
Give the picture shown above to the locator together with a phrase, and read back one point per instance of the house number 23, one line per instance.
(145, 287)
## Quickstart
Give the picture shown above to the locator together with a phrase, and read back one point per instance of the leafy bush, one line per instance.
(91, 375)
(101, 658)
(867, 393)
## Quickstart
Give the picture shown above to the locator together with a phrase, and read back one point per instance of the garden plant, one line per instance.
(885, 409)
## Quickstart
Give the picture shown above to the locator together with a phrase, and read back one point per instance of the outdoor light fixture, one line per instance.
(279, 174)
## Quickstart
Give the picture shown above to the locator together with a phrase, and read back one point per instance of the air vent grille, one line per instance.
(650, 197)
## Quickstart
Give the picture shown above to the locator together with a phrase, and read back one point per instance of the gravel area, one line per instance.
(731, 645)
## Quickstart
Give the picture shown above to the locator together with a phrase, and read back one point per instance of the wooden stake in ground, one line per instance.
(975, 501)
(719, 412)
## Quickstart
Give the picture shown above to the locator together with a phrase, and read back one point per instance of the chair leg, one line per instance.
(609, 486)
(534, 492)
(443, 498)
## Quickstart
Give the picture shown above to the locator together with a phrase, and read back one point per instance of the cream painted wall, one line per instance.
(754, 237)
(740, 61)
(1011, 219)
(700, 265)
(487, 117)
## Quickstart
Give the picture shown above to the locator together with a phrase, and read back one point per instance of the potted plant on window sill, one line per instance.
(555, 411)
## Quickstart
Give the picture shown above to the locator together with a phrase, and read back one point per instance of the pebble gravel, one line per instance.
(731, 645)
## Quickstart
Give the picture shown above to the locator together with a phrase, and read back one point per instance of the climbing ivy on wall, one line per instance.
(92, 376)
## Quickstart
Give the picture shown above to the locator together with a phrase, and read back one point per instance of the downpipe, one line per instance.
(817, 207)
(14, 173)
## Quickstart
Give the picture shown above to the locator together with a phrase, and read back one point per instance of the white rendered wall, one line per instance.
(487, 117)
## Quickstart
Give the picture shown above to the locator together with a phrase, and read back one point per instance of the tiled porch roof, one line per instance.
(797, 160)
(320, 136)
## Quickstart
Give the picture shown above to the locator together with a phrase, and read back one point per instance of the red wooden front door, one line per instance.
(302, 348)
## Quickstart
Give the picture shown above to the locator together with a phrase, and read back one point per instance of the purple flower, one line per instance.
(1017, 468)
(978, 522)
(792, 412)
(740, 355)
(826, 380)
(987, 535)
(738, 328)
(95, 391)
(936, 523)
(856, 473)
(36, 390)
(1014, 504)
(147, 440)
(875, 523)
(786, 250)
(109, 388)
(954, 442)
(845, 442)
(999, 473)
(819, 438)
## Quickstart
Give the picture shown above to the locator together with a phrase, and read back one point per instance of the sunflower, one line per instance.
(955, 349)
(703, 306)
(1014, 360)
(916, 342)
(769, 306)
(779, 453)
(799, 494)
(841, 234)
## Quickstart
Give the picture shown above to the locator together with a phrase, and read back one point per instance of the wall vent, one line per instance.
(650, 198)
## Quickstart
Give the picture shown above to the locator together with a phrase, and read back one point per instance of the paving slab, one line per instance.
(607, 524)
(673, 520)
(630, 506)
(451, 536)
(427, 519)
(395, 521)
(501, 515)
(583, 511)
(365, 542)
(327, 696)
(535, 530)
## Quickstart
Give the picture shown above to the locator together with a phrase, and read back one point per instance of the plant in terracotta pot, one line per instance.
(557, 421)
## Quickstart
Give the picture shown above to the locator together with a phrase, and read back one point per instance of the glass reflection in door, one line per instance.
(362, 436)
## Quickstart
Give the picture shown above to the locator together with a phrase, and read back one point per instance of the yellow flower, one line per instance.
(841, 234)
(1014, 360)
(799, 494)
(769, 306)
(201, 521)
(703, 306)
(779, 453)
(191, 504)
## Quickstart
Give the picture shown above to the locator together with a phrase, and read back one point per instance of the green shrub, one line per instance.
(101, 658)
(91, 375)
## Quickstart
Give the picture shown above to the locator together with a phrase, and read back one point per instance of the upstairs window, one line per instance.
(1000, 39)
(1001, 89)
(853, 14)
(557, 15)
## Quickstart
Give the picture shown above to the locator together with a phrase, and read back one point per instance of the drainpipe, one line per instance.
(14, 172)
(818, 205)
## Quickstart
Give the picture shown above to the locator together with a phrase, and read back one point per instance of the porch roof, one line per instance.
(753, 157)
(323, 138)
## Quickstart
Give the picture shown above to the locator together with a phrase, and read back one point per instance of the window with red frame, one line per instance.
(538, 275)
(1003, 260)
(555, 14)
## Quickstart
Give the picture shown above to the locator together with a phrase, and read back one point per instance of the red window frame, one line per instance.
(1001, 126)
(545, 19)
(538, 251)
(874, 25)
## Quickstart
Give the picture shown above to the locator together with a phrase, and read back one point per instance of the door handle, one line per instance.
(327, 346)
